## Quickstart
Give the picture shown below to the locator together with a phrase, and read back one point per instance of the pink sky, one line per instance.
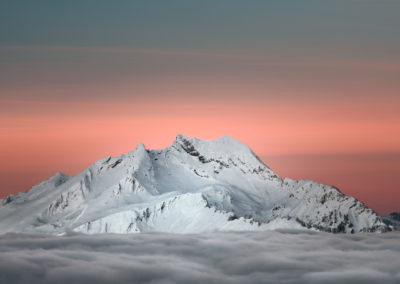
(355, 148)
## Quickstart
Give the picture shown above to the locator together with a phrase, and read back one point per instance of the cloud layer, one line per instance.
(265, 257)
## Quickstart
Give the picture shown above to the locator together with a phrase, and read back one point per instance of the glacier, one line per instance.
(192, 186)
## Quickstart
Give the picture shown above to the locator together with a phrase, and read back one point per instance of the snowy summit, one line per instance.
(191, 186)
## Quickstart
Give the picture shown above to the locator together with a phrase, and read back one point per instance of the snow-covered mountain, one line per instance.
(191, 186)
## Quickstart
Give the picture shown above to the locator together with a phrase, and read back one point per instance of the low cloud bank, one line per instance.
(288, 256)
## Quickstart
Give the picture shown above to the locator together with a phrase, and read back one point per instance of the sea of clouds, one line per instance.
(283, 256)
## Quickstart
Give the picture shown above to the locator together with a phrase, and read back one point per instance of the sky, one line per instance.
(311, 86)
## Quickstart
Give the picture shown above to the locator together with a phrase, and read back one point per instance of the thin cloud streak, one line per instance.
(250, 59)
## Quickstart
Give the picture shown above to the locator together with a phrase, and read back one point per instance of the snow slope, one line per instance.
(191, 186)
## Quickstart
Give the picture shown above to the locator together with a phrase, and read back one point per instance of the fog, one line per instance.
(283, 256)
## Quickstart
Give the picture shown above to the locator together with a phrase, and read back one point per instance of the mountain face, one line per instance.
(191, 186)
(392, 220)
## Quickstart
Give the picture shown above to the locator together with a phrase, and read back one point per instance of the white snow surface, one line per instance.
(192, 186)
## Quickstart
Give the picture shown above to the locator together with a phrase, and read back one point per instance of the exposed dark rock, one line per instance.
(116, 163)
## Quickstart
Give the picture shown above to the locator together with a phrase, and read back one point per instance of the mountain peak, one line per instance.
(224, 145)
(180, 137)
(140, 147)
(221, 140)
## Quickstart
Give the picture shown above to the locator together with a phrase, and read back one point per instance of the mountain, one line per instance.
(392, 220)
(191, 186)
